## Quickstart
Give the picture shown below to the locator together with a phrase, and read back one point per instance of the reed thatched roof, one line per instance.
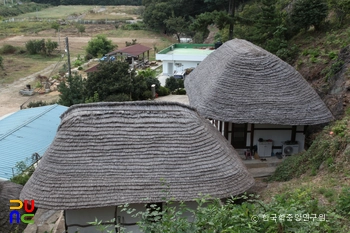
(243, 83)
(113, 153)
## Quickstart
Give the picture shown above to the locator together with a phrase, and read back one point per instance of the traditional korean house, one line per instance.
(255, 99)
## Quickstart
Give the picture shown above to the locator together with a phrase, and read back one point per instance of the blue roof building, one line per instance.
(27, 132)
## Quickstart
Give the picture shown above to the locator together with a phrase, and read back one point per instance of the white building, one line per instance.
(178, 57)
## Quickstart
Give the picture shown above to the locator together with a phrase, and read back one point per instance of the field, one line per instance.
(85, 13)
(21, 66)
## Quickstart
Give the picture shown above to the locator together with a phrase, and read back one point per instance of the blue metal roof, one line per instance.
(27, 132)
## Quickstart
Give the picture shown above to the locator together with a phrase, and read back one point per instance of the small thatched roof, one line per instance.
(243, 83)
(113, 153)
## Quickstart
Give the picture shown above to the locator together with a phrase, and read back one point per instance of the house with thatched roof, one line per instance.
(255, 99)
(108, 154)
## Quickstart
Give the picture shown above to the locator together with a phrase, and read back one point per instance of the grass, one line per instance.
(17, 28)
(19, 66)
(86, 12)
(59, 12)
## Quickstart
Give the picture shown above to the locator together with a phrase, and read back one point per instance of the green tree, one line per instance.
(99, 46)
(268, 20)
(341, 8)
(306, 13)
(81, 28)
(72, 91)
(56, 26)
(111, 78)
(156, 12)
(177, 25)
(50, 46)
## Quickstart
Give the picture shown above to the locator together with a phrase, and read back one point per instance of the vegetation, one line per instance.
(41, 46)
(24, 170)
(11, 10)
(113, 81)
(90, 2)
(174, 83)
(99, 46)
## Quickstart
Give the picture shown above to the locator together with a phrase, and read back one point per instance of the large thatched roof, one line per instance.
(113, 153)
(243, 83)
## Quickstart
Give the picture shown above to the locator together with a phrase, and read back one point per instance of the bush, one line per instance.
(35, 46)
(173, 83)
(8, 49)
(163, 91)
(242, 214)
(39, 103)
(343, 202)
(147, 95)
(134, 26)
(118, 98)
(180, 91)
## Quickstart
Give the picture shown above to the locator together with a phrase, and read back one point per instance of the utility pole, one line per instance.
(231, 12)
(68, 55)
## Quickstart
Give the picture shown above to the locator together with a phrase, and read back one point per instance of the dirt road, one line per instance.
(76, 44)
(11, 100)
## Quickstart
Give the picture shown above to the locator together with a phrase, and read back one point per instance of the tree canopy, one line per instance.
(99, 46)
(113, 81)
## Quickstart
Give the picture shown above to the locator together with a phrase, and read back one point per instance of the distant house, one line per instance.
(178, 57)
(108, 154)
(256, 100)
(26, 132)
(136, 55)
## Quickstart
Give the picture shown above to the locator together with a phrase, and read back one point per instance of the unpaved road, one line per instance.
(76, 44)
(11, 100)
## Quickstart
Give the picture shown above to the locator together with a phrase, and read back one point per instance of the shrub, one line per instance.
(35, 46)
(174, 83)
(163, 91)
(118, 98)
(38, 103)
(147, 95)
(8, 49)
(180, 91)
(343, 202)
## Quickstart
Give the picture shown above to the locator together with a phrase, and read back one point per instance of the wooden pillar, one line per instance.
(294, 133)
(232, 133)
(226, 130)
(251, 137)
(220, 126)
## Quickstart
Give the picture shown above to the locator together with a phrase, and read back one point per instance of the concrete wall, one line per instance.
(184, 65)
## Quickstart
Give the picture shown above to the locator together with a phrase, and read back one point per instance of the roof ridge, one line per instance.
(27, 122)
(128, 103)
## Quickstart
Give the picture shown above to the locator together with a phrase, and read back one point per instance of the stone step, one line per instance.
(258, 163)
(262, 172)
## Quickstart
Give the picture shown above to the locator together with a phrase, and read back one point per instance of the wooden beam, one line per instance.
(251, 136)
(226, 130)
(294, 133)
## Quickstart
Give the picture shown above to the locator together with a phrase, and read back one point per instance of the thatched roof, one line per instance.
(113, 153)
(9, 191)
(243, 83)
